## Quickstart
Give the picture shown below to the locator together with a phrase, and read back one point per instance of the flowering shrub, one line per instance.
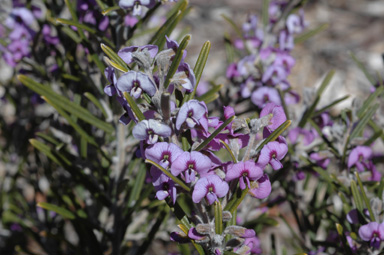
(124, 152)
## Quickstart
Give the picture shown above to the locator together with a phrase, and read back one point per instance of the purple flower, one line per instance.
(163, 153)
(286, 41)
(272, 153)
(278, 115)
(284, 60)
(254, 244)
(179, 237)
(274, 74)
(264, 95)
(136, 5)
(130, 21)
(195, 235)
(136, 83)
(211, 187)
(261, 188)
(185, 77)
(245, 172)
(191, 112)
(359, 157)
(126, 53)
(372, 232)
(111, 89)
(150, 130)
(188, 163)
(164, 185)
(172, 44)
(294, 134)
(46, 31)
(353, 216)
(295, 23)
(321, 159)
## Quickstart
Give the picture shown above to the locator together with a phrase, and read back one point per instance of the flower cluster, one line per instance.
(17, 26)
(263, 73)
(176, 137)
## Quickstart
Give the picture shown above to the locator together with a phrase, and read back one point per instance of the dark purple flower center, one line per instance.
(191, 165)
(266, 98)
(211, 188)
(165, 156)
(150, 131)
(273, 154)
(190, 113)
(136, 84)
(245, 173)
(361, 157)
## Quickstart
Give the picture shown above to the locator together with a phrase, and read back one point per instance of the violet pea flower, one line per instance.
(245, 172)
(191, 112)
(210, 187)
(272, 153)
(264, 95)
(278, 115)
(359, 157)
(136, 5)
(188, 163)
(163, 153)
(150, 130)
(126, 53)
(261, 188)
(372, 232)
(164, 186)
(136, 83)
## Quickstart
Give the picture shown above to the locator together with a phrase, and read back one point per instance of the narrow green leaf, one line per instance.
(71, 9)
(318, 112)
(72, 34)
(83, 147)
(115, 58)
(59, 210)
(233, 25)
(376, 128)
(47, 138)
(305, 36)
(235, 200)
(211, 93)
(364, 121)
(309, 112)
(176, 61)
(370, 100)
(218, 218)
(229, 151)
(200, 64)
(365, 198)
(76, 24)
(72, 122)
(135, 108)
(138, 185)
(325, 83)
(167, 28)
(210, 98)
(65, 103)
(110, 9)
(265, 13)
(167, 173)
(58, 159)
(215, 133)
(373, 138)
(356, 197)
(275, 134)
(96, 102)
(363, 69)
